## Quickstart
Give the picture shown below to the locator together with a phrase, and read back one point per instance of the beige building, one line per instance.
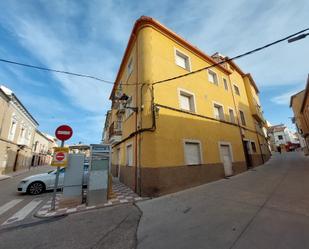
(17, 129)
(42, 148)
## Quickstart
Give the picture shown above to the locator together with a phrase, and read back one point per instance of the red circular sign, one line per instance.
(60, 156)
(64, 132)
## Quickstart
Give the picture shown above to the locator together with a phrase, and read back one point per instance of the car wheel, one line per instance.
(36, 188)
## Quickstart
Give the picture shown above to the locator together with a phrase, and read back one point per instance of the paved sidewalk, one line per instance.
(265, 208)
(121, 195)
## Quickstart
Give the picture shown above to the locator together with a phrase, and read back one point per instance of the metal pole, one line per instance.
(53, 203)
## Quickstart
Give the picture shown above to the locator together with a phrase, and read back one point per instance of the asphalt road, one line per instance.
(22, 206)
(112, 228)
(267, 207)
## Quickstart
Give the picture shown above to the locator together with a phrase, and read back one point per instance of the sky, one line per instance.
(90, 36)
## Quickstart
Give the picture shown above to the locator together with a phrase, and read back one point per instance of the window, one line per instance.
(218, 112)
(253, 146)
(193, 153)
(225, 84)
(182, 60)
(129, 155)
(242, 117)
(186, 101)
(130, 67)
(236, 90)
(212, 77)
(12, 130)
(280, 137)
(232, 116)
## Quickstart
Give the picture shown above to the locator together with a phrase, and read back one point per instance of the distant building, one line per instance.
(300, 105)
(80, 149)
(42, 148)
(280, 135)
(17, 130)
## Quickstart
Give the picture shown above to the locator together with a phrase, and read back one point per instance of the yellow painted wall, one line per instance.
(165, 146)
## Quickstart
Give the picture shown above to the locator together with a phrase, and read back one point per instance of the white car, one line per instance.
(39, 183)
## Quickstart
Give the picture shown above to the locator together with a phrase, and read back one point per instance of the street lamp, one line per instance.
(302, 36)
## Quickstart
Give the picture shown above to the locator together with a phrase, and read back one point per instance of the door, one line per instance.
(246, 146)
(226, 158)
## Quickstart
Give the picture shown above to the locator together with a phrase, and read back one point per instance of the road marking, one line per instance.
(9, 205)
(22, 214)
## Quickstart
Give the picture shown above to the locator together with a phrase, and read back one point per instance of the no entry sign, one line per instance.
(64, 132)
(60, 158)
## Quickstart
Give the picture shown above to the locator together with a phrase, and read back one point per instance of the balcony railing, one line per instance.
(115, 129)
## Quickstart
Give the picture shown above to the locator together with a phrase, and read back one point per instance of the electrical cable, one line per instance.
(160, 81)
(230, 59)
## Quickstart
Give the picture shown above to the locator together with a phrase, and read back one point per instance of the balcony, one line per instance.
(115, 132)
(257, 113)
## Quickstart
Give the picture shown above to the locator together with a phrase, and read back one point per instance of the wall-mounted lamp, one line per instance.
(124, 100)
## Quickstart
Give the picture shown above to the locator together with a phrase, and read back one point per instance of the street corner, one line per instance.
(120, 195)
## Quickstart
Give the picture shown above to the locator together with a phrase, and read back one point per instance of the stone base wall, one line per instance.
(159, 181)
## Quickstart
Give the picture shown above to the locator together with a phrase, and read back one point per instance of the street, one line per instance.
(102, 228)
(21, 206)
(266, 207)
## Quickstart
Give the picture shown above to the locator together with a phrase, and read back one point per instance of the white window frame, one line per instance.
(200, 148)
(244, 117)
(209, 72)
(234, 116)
(230, 148)
(227, 83)
(12, 134)
(127, 145)
(218, 104)
(176, 50)
(191, 95)
(237, 88)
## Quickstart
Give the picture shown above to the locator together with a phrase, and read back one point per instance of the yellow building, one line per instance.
(300, 105)
(175, 134)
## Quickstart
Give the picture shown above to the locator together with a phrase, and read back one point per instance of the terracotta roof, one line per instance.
(144, 21)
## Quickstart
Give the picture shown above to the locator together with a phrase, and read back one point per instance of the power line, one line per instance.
(230, 59)
(160, 81)
(56, 71)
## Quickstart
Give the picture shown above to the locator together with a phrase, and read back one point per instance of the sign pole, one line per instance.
(53, 203)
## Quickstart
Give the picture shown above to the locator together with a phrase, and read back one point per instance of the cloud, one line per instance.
(284, 99)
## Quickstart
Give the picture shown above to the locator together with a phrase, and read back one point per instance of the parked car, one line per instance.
(37, 184)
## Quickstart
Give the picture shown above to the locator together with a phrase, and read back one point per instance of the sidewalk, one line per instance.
(121, 195)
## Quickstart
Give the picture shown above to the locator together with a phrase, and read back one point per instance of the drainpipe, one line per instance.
(238, 123)
(136, 118)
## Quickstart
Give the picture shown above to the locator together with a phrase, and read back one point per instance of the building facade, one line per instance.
(175, 134)
(281, 136)
(17, 129)
(42, 148)
(300, 106)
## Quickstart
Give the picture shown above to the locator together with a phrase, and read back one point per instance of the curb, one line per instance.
(63, 212)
